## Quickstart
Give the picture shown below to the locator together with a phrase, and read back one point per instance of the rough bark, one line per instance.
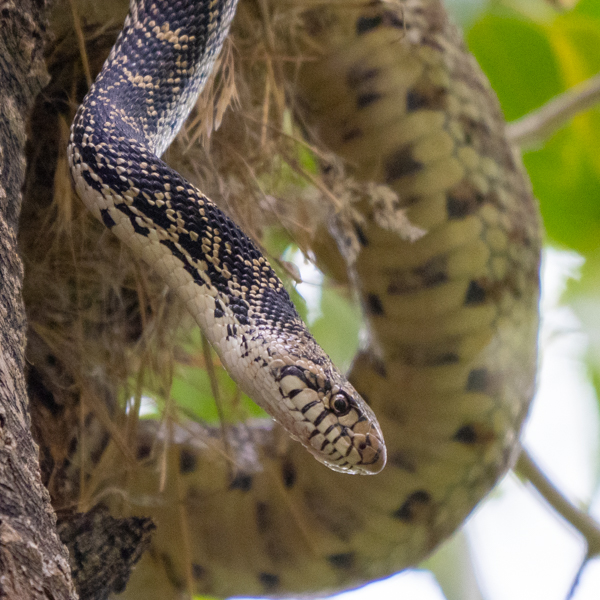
(33, 562)
(103, 550)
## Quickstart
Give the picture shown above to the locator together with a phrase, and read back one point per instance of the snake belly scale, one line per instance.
(449, 368)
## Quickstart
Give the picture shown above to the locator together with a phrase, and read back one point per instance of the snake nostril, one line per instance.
(362, 446)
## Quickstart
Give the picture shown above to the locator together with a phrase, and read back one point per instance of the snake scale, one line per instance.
(449, 367)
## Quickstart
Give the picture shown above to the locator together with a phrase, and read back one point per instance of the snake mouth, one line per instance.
(377, 463)
(365, 454)
(373, 453)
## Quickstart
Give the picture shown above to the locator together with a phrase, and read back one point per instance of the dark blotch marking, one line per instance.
(375, 307)
(143, 451)
(198, 571)
(358, 76)
(413, 506)
(474, 433)
(242, 481)
(187, 462)
(348, 136)
(379, 367)
(457, 208)
(366, 99)
(38, 389)
(89, 419)
(400, 164)
(430, 97)
(262, 516)
(430, 274)
(434, 279)
(478, 380)
(466, 435)
(433, 272)
(343, 560)
(414, 356)
(388, 19)
(365, 24)
(448, 358)
(106, 218)
(463, 200)
(288, 474)
(360, 234)
(391, 19)
(73, 443)
(475, 294)
(270, 581)
(401, 460)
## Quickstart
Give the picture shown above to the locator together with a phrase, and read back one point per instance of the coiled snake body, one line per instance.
(450, 365)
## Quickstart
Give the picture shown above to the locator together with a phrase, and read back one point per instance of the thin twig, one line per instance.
(81, 43)
(537, 126)
(580, 520)
(214, 388)
(571, 593)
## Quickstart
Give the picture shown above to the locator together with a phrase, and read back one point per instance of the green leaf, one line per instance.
(590, 8)
(338, 327)
(518, 59)
(528, 63)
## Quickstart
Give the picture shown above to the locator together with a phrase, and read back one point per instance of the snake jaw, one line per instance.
(331, 420)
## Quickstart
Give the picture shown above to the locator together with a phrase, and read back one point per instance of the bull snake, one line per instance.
(450, 365)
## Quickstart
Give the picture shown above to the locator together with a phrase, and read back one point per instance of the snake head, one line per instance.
(329, 417)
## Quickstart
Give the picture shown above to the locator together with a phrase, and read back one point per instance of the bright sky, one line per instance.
(520, 549)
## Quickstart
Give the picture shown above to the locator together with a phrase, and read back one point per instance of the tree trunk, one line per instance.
(33, 562)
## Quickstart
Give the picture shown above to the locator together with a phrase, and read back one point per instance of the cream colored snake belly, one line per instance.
(451, 306)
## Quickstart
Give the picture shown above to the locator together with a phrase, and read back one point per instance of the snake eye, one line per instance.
(340, 405)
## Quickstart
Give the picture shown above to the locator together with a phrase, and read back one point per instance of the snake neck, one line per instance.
(159, 65)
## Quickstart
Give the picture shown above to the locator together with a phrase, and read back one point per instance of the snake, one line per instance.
(127, 120)
(448, 371)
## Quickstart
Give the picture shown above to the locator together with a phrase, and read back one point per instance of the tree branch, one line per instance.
(580, 520)
(537, 126)
(103, 550)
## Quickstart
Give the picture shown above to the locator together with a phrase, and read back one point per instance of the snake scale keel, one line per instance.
(449, 368)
